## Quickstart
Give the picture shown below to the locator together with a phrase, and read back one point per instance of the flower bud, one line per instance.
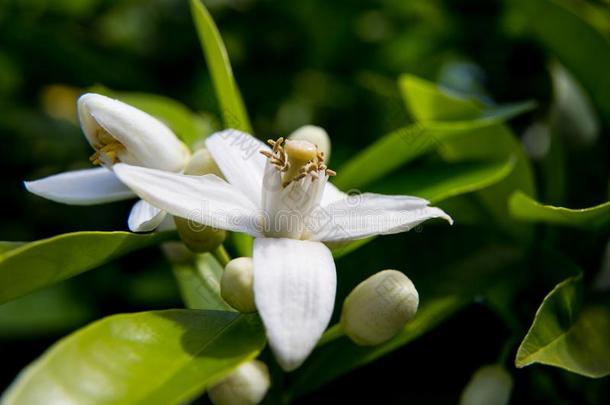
(490, 384)
(236, 284)
(198, 237)
(247, 385)
(379, 307)
(122, 133)
(314, 135)
(202, 163)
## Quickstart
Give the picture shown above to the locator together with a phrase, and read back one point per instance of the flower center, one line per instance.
(293, 184)
(296, 159)
(107, 148)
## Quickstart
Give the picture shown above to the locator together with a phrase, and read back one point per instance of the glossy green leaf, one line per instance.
(6, 246)
(158, 357)
(494, 142)
(428, 102)
(199, 282)
(402, 146)
(557, 24)
(46, 312)
(568, 333)
(440, 182)
(232, 106)
(442, 293)
(45, 262)
(527, 209)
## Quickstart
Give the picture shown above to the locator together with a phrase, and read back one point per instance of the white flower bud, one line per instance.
(247, 385)
(202, 163)
(314, 135)
(379, 307)
(120, 132)
(489, 385)
(198, 237)
(236, 284)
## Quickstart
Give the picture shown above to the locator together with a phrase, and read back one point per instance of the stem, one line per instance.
(334, 332)
(221, 255)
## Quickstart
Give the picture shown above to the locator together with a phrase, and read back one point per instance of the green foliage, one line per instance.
(39, 264)
(569, 333)
(199, 282)
(525, 208)
(158, 357)
(556, 24)
(232, 106)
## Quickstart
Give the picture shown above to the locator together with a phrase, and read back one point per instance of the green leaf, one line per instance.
(158, 357)
(428, 102)
(527, 209)
(45, 262)
(440, 182)
(574, 32)
(569, 334)
(491, 142)
(6, 246)
(232, 106)
(443, 293)
(43, 313)
(199, 282)
(402, 146)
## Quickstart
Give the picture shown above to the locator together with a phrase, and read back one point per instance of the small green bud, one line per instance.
(489, 385)
(236, 284)
(314, 135)
(379, 307)
(197, 237)
(247, 385)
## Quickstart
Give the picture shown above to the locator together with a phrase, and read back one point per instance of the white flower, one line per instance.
(119, 133)
(280, 196)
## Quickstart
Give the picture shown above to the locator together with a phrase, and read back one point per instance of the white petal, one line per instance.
(148, 142)
(144, 217)
(368, 214)
(81, 187)
(237, 155)
(294, 290)
(331, 194)
(207, 199)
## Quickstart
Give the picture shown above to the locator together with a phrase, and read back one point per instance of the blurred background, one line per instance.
(332, 64)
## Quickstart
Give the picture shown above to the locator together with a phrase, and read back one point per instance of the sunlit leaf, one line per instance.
(6, 246)
(527, 209)
(159, 357)
(569, 333)
(232, 106)
(439, 182)
(493, 142)
(45, 262)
